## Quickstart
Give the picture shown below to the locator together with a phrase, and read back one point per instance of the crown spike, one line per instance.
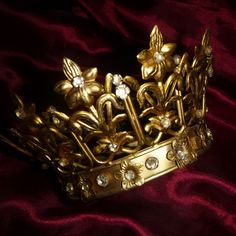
(206, 38)
(156, 39)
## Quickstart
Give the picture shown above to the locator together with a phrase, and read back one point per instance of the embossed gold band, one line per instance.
(136, 169)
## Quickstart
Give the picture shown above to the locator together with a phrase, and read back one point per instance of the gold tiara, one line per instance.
(123, 133)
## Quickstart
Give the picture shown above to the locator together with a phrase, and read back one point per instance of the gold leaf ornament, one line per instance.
(80, 87)
(157, 59)
(126, 133)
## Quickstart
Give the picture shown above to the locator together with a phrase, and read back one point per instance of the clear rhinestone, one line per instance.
(165, 122)
(158, 57)
(177, 59)
(44, 166)
(208, 50)
(151, 163)
(209, 133)
(199, 113)
(102, 180)
(130, 174)
(59, 123)
(122, 91)
(20, 113)
(56, 121)
(69, 188)
(210, 71)
(85, 187)
(183, 141)
(51, 109)
(117, 79)
(176, 69)
(63, 162)
(180, 154)
(77, 81)
(113, 147)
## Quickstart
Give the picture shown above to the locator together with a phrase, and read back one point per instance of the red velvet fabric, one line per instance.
(35, 35)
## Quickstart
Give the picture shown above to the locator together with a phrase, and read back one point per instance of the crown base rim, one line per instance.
(139, 168)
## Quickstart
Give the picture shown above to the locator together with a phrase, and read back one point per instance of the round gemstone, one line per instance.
(102, 180)
(210, 71)
(20, 113)
(44, 166)
(177, 59)
(130, 174)
(51, 109)
(77, 81)
(113, 147)
(208, 50)
(209, 133)
(69, 188)
(85, 187)
(122, 91)
(151, 163)
(165, 122)
(199, 113)
(176, 69)
(55, 120)
(59, 123)
(183, 141)
(117, 79)
(180, 155)
(158, 57)
(63, 162)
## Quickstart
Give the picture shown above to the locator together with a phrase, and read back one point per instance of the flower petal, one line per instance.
(169, 64)
(104, 140)
(139, 181)
(156, 39)
(206, 38)
(93, 88)
(86, 97)
(63, 87)
(90, 74)
(144, 56)
(70, 68)
(100, 148)
(126, 184)
(148, 71)
(73, 98)
(168, 48)
(132, 82)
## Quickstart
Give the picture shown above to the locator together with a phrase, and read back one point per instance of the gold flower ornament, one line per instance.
(157, 59)
(80, 87)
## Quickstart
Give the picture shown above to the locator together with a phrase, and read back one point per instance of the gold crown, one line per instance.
(125, 132)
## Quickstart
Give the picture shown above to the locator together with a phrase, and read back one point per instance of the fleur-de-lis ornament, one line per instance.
(157, 59)
(80, 87)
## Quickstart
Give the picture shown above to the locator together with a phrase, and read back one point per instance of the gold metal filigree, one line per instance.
(182, 152)
(80, 87)
(157, 59)
(158, 101)
(115, 127)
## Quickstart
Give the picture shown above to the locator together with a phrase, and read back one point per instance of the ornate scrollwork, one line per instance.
(123, 125)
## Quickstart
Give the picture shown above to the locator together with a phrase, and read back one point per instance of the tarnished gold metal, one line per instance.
(125, 132)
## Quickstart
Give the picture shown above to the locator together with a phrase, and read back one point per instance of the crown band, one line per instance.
(119, 135)
(138, 168)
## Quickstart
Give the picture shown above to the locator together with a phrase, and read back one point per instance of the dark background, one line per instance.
(36, 35)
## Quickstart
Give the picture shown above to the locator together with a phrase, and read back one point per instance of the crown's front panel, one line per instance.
(143, 166)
